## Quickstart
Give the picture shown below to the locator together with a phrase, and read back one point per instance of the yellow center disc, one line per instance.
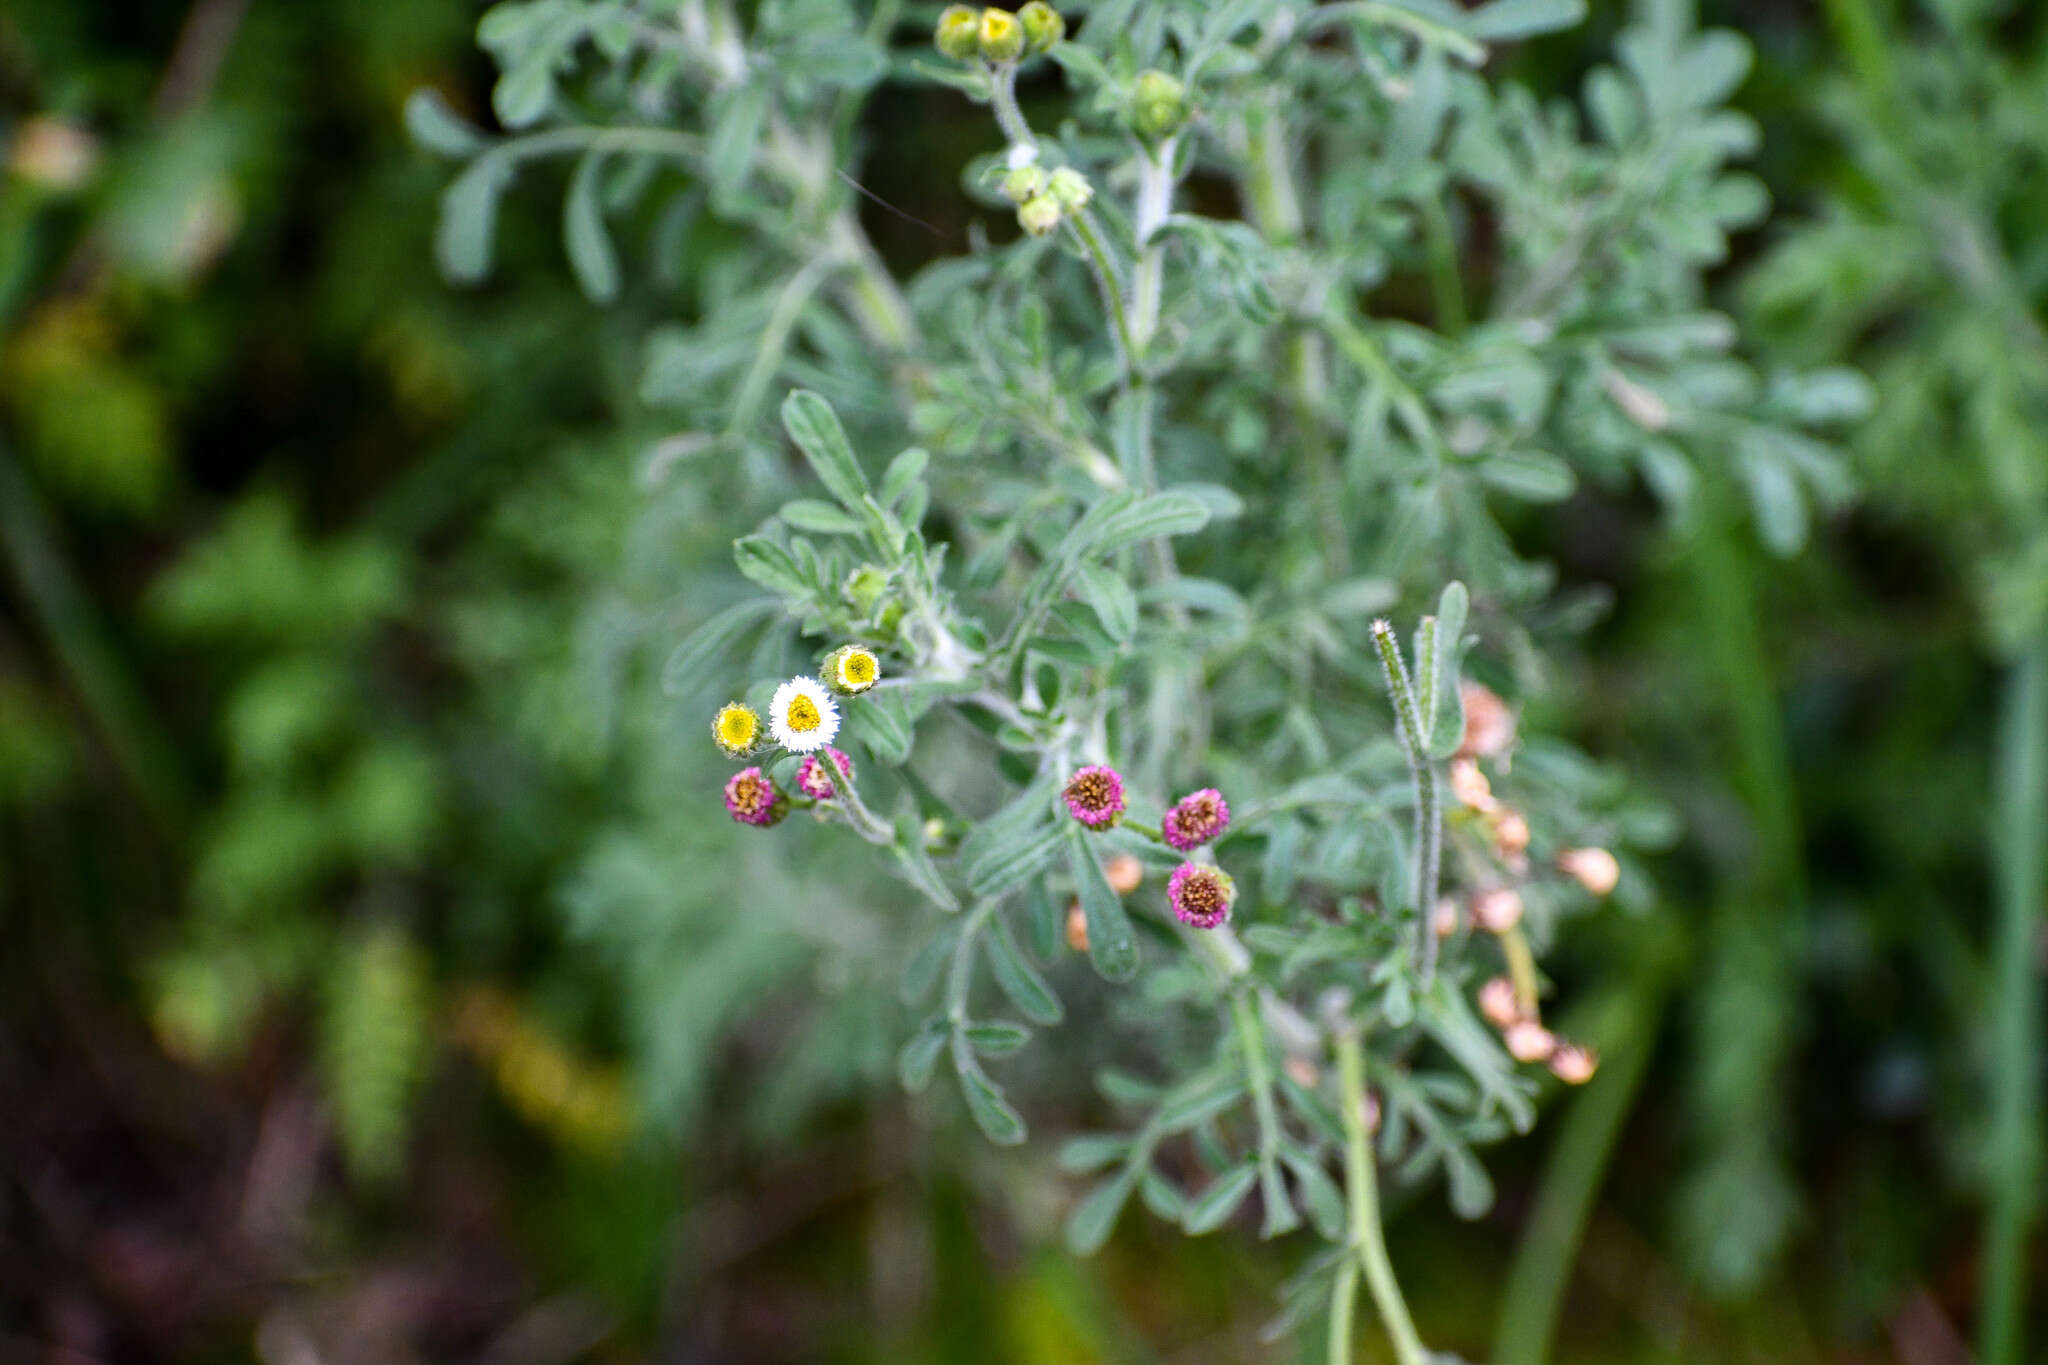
(803, 715)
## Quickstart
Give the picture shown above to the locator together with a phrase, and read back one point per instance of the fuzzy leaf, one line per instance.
(584, 236)
(1019, 980)
(1215, 1205)
(815, 428)
(1093, 1219)
(1111, 946)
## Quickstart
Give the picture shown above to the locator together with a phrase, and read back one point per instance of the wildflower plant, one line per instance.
(1110, 630)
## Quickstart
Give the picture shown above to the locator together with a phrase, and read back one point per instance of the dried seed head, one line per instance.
(1201, 895)
(1529, 1041)
(1470, 786)
(1077, 927)
(1095, 796)
(958, 33)
(1593, 868)
(814, 779)
(1499, 1004)
(1489, 725)
(1574, 1064)
(1125, 873)
(752, 798)
(1195, 819)
(1497, 909)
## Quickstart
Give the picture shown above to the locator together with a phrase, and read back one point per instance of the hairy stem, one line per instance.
(1155, 203)
(1009, 117)
(2022, 885)
(1428, 832)
(1112, 295)
(1362, 1185)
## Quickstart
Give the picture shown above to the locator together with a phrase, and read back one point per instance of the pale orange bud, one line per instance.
(1497, 909)
(1077, 928)
(1124, 873)
(1498, 1002)
(1369, 1110)
(1470, 786)
(1303, 1072)
(1593, 868)
(1445, 920)
(1489, 725)
(1573, 1064)
(53, 153)
(1510, 833)
(1529, 1041)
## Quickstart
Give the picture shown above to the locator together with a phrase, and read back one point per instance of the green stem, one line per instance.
(1251, 1039)
(1445, 284)
(1362, 1185)
(1428, 832)
(1862, 37)
(2022, 885)
(1343, 1303)
(1003, 99)
(1112, 296)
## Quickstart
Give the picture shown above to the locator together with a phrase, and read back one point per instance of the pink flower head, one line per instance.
(1199, 817)
(752, 798)
(1095, 796)
(814, 779)
(1201, 895)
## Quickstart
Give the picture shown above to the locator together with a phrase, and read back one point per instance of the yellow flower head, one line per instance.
(737, 728)
(852, 669)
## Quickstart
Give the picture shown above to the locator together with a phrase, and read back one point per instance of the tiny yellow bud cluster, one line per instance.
(996, 35)
(1042, 200)
(1159, 105)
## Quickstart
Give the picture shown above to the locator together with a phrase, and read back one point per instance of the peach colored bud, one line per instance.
(1303, 1072)
(1529, 1041)
(53, 153)
(1371, 1111)
(1077, 928)
(1489, 725)
(1497, 909)
(1470, 786)
(1124, 873)
(1593, 868)
(1445, 920)
(1573, 1064)
(1511, 833)
(1498, 1003)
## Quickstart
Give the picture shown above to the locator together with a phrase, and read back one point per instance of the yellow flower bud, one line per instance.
(1001, 36)
(1070, 189)
(959, 33)
(1159, 104)
(1024, 184)
(1043, 25)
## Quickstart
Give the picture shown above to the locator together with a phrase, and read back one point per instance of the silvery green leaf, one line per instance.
(1212, 1208)
(1319, 1194)
(1111, 946)
(690, 667)
(1531, 475)
(768, 564)
(906, 469)
(1004, 863)
(1162, 514)
(812, 514)
(879, 721)
(584, 236)
(996, 1038)
(1018, 979)
(1092, 1220)
(469, 216)
(916, 1059)
(1043, 921)
(1111, 599)
(1510, 20)
(992, 1113)
(815, 428)
(439, 129)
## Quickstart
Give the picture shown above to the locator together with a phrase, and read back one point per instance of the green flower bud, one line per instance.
(1002, 37)
(1039, 216)
(1070, 189)
(864, 587)
(1024, 184)
(1159, 104)
(1043, 25)
(959, 33)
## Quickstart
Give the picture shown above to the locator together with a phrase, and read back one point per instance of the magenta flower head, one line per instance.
(753, 799)
(1201, 895)
(814, 779)
(1198, 818)
(1095, 796)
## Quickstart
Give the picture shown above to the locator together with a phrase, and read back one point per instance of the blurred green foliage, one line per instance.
(342, 809)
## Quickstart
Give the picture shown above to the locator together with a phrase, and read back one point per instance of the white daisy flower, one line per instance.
(803, 716)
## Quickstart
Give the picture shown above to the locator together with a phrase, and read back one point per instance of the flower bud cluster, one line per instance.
(1043, 199)
(992, 35)
(1527, 1040)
